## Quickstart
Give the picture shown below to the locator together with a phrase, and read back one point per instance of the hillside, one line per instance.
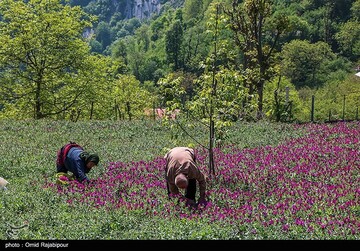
(125, 9)
(271, 57)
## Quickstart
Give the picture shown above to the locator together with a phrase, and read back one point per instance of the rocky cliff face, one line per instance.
(136, 8)
(141, 8)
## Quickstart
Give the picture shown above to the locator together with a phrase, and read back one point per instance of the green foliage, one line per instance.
(355, 9)
(171, 91)
(96, 89)
(220, 90)
(305, 63)
(227, 101)
(131, 99)
(281, 101)
(320, 37)
(40, 60)
(348, 37)
(103, 35)
(173, 42)
(256, 34)
(338, 100)
(193, 9)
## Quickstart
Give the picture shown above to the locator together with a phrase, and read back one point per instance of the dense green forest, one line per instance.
(221, 61)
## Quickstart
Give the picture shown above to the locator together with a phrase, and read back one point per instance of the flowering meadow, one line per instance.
(304, 186)
(308, 186)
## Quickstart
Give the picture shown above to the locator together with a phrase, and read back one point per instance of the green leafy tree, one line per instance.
(248, 21)
(82, 3)
(174, 38)
(171, 91)
(118, 50)
(42, 55)
(192, 9)
(132, 24)
(97, 86)
(281, 100)
(323, 18)
(135, 55)
(219, 91)
(305, 63)
(338, 100)
(349, 39)
(349, 34)
(299, 27)
(221, 88)
(101, 8)
(96, 46)
(103, 35)
(130, 99)
(197, 44)
(355, 9)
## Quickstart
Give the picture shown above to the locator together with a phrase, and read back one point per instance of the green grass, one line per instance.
(28, 151)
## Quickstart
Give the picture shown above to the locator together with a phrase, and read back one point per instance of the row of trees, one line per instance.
(333, 22)
(215, 61)
(262, 40)
(48, 68)
(228, 49)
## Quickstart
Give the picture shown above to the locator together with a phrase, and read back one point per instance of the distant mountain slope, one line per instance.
(137, 8)
(126, 9)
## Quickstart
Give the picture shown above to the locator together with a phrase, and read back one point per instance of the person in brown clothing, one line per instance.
(182, 172)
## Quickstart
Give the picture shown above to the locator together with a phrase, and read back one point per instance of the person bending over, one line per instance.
(72, 157)
(182, 172)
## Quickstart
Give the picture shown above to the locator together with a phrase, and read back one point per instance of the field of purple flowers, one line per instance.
(303, 188)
